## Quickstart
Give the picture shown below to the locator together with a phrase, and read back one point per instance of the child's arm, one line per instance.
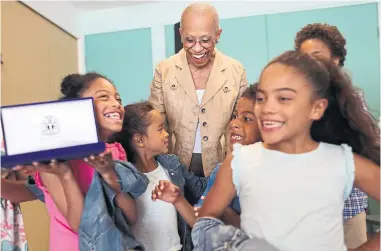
(123, 200)
(13, 187)
(65, 192)
(15, 191)
(221, 193)
(185, 210)
(367, 178)
(104, 164)
(211, 179)
(168, 192)
(63, 187)
(230, 217)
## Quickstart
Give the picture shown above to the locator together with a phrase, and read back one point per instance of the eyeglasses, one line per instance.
(205, 41)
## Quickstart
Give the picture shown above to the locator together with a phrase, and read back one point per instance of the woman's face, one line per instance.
(199, 35)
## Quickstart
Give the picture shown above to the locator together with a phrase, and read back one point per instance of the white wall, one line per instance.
(61, 13)
(162, 13)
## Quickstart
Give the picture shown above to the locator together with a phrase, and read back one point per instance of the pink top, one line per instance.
(62, 237)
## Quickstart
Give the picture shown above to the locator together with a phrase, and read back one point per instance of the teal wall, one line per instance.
(169, 40)
(359, 26)
(125, 57)
(245, 39)
(256, 40)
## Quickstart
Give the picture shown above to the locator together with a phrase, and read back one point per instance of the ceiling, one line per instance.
(102, 5)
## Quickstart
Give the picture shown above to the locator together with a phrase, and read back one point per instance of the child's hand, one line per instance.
(196, 210)
(54, 167)
(166, 191)
(103, 163)
(198, 205)
(200, 201)
(6, 173)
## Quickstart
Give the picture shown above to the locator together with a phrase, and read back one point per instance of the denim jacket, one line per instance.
(103, 225)
(212, 177)
(97, 235)
(187, 181)
(211, 234)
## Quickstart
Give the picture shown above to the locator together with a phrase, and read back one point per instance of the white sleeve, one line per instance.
(350, 170)
(235, 165)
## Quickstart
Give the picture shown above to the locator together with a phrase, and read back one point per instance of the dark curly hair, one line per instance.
(137, 119)
(329, 34)
(344, 121)
(250, 92)
(73, 85)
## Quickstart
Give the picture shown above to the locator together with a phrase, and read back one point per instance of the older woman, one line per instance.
(197, 89)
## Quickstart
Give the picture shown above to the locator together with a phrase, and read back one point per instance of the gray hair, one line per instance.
(201, 8)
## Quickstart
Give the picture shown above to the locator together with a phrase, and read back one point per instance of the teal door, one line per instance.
(126, 58)
(245, 40)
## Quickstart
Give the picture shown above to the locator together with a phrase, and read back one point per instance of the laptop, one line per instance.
(61, 130)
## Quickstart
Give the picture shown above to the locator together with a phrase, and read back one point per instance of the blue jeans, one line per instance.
(212, 234)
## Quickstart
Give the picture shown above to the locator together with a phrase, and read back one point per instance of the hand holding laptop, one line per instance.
(58, 168)
(103, 162)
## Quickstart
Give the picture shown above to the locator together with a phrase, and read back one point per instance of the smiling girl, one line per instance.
(65, 184)
(317, 143)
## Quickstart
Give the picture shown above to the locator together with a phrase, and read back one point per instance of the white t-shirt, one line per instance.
(156, 227)
(197, 142)
(294, 201)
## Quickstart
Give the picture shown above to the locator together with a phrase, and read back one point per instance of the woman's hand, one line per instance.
(166, 191)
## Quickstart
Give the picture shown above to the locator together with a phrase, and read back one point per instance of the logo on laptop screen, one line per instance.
(50, 126)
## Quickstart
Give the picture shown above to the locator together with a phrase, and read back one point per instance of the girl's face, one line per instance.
(108, 107)
(285, 106)
(243, 126)
(318, 49)
(156, 141)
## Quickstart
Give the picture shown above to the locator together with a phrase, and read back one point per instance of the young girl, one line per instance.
(64, 184)
(158, 226)
(317, 143)
(321, 40)
(243, 129)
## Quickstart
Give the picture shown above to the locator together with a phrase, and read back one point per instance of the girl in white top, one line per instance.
(317, 143)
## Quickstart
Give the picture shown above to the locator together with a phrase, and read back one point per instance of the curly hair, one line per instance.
(329, 34)
(344, 121)
(73, 85)
(250, 92)
(136, 120)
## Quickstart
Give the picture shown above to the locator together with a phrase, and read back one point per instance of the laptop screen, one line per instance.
(49, 125)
